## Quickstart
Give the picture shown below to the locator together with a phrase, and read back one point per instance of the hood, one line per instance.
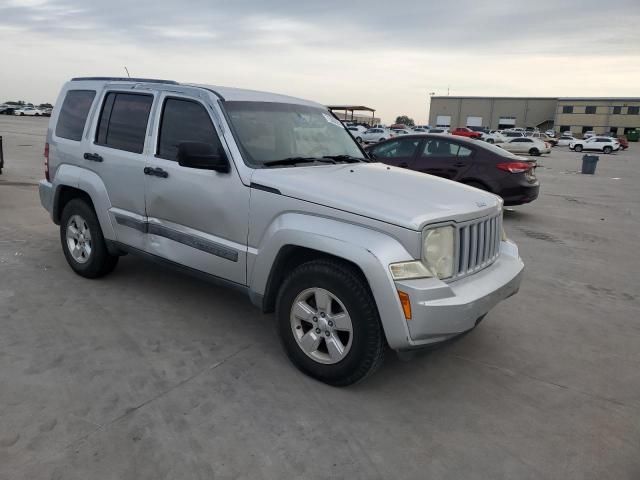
(389, 194)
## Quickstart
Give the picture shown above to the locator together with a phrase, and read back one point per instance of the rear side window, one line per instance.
(73, 114)
(184, 121)
(123, 121)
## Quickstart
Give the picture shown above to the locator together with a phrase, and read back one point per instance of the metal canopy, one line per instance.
(352, 109)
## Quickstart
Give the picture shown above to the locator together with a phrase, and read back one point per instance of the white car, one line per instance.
(374, 135)
(442, 130)
(529, 145)
(356, 132)
(400, 131)
(601, 144)
(551, 133)
(588, 134)
(565, 140)
(28, 111)
(494, 137)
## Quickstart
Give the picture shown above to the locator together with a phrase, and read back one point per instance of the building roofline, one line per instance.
(477, 97)
(615, 99)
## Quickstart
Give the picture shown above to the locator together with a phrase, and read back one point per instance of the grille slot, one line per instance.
(478, 244)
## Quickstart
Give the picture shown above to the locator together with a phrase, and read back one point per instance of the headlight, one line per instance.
(438, 251)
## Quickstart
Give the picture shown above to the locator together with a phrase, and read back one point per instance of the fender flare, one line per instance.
(371, 250)
(90, 183)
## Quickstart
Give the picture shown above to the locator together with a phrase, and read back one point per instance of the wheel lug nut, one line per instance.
(322, 315)
(326, 332)
(330, 323)
(315, 319)
(317, 330)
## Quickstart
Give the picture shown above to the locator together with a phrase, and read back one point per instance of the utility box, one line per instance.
(633, 135)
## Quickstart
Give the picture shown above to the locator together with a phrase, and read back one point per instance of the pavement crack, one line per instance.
(131, 410)
(542, 380)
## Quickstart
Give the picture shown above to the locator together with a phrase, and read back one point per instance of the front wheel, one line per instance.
(607, 150)
(382, 139)
(82, 241)
(578, 148)
(490, 140)
(329, 324)
(535, 152)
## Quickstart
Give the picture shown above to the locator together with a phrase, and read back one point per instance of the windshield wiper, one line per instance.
(346, 158)
(295, 160)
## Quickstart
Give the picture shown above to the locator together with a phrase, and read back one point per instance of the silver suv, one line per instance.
(270, 194)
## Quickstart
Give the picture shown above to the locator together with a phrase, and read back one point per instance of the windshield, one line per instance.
(267, 132)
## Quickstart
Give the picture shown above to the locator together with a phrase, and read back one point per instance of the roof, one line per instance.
(224, 93)
(351, 107)
(615, 99)
(492, 98)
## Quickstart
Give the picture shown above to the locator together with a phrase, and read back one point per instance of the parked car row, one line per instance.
(23, 111)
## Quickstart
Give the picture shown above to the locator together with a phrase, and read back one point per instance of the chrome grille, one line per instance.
(478, 244)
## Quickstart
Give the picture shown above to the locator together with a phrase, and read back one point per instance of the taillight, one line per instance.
(46, 161)
(515, 167)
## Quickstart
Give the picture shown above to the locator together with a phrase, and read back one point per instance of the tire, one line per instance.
(382, 139)
(578, 148)
(490, 140)
(22, 114)
(363, 348)
(37, 114)
(535, 152)
(94, 261)
(358, 139)
(607, 149)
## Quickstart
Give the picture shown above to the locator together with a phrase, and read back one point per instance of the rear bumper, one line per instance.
(521, 194)
(45, 189)
(441, 311)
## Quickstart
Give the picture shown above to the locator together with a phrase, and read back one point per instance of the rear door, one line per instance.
(443, 158)
(116, 154)
(398, 152)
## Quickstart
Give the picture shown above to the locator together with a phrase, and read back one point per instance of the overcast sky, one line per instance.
(385, 54)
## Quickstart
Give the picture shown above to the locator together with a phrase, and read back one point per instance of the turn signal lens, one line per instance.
(406, 304)
(46, 161)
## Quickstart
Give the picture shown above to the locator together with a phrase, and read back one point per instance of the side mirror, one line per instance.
(204, 156)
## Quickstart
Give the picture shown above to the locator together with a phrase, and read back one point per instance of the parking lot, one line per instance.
(149, 373)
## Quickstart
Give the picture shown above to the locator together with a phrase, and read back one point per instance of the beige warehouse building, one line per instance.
(617, 115)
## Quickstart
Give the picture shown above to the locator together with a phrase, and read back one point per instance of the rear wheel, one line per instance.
(490, 140)
(535, 152)
(382, 139)
(578, 148)
(82, 241)
(329, 324)
(607, 149)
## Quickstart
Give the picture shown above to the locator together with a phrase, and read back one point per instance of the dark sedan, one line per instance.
(474, 163)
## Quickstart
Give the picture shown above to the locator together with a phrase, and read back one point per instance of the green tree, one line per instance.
(405, 120)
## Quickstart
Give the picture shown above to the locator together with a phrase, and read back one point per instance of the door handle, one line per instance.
(94, 157)
(157, 172)
(404, 165)
(459, 164)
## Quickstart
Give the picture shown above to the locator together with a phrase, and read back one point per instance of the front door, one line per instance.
(197, 218)
(398, 152)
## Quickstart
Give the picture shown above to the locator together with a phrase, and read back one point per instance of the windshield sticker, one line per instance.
(332, 120)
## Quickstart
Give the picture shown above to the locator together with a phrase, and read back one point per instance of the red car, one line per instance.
(466, 132)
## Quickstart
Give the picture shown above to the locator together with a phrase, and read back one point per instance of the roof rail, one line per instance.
(125, 79)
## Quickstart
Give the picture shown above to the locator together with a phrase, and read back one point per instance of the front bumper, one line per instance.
(441, 311)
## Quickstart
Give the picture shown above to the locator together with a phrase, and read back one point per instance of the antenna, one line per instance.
(126, 70)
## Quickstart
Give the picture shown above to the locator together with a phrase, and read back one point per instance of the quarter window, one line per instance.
(123, 121)
(184, 121)
(73, 114)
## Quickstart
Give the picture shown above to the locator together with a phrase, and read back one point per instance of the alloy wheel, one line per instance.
(78, 238)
